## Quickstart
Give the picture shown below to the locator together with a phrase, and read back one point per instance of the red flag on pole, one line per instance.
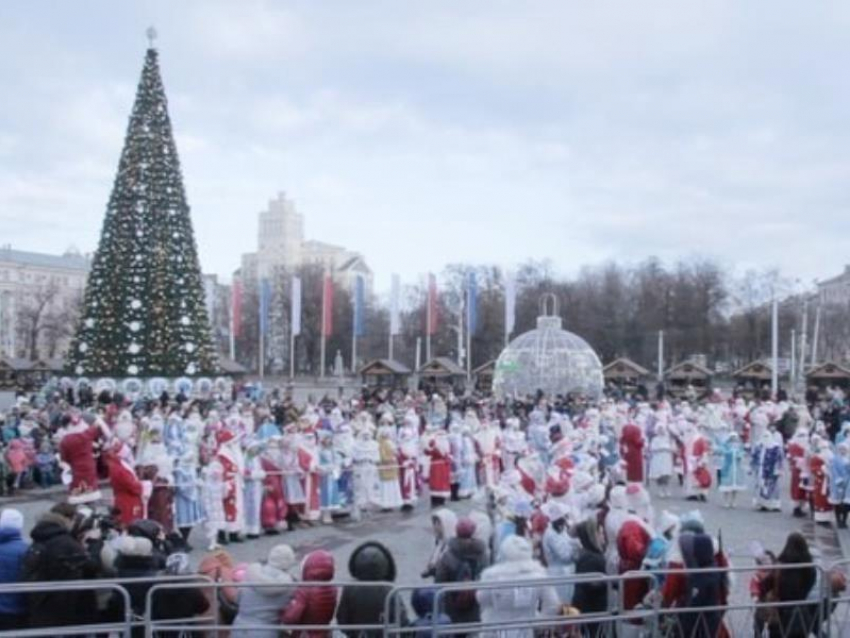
(432, 315)
(327, 306)
(236, 306)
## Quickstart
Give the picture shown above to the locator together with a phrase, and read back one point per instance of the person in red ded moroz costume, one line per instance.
(631, 451)
(77, 451)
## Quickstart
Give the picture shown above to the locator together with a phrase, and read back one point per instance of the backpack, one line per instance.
(33, 563)
(465, 572)
(38, 564)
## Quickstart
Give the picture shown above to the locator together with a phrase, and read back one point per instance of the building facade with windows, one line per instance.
(40, 296)
(836, 290)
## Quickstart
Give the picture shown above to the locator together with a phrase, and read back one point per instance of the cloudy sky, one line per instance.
(421, 133)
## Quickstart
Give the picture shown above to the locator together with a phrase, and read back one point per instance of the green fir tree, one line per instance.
(144, 312)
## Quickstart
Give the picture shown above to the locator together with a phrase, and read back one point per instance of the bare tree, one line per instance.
(34, 315)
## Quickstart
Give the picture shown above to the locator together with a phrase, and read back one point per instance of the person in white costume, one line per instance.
(662, 450)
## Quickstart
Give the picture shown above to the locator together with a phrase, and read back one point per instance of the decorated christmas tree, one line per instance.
(144, 313)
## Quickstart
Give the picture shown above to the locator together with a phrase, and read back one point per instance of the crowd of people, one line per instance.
(560, 490)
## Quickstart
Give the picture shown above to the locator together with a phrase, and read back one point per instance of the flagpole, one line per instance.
(792, 380)
(471, 319)
(232, 334)
(815, 335)
(428, 321)
(324, 323)
(354, 352)
(262, 353)
(774, 347)
(802, 361)
(460, 339)
(660, 354)
(292, 357)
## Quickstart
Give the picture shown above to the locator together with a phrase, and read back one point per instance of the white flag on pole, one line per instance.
(395, 292)
(296, 306)
(510, 302)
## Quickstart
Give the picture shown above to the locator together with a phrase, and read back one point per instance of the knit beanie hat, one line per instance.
(11, 519)
(465, 527)
(281, 557)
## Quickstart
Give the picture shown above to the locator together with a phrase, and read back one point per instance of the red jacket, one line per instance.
(127, 490)
(77, 450)
(313, 605)
(631, 451)
(632, 542)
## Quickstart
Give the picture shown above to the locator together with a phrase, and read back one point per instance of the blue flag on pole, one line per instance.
(358, 306)
(472, 304)
(265, 305)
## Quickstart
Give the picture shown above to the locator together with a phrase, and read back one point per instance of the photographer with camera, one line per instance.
(57, 554)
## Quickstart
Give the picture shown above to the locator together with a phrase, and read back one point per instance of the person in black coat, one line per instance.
(590, 596)
(55, 555)
(370, 562)
(795, 584)
(464, 560)
(179, 603)
(703, 588)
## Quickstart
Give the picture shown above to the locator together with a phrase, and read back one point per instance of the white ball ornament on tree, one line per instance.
(134, 348)
(83, 347)
(79, 370)
(135, 326)
(133, 369)
(190, 347)
(135, 304)
(185, 320)
(89, 323)
(191, 368)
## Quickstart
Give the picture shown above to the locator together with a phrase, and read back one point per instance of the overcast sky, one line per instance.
(421, 133)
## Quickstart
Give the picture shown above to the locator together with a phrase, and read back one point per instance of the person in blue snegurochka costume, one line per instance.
(767, 467)
(732, 473)
(839, 482)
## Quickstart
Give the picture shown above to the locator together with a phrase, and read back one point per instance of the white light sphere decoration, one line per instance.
(549, 359)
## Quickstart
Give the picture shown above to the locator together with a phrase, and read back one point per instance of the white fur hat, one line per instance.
(281, 557)
(667, 521)
(515, 549)
(11, 519)
(134, 546)
(617, 498)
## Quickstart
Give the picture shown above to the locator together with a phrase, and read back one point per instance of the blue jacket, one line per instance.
(12, 550)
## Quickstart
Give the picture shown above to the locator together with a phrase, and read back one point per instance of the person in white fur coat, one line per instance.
(516, 563)
(617, 515)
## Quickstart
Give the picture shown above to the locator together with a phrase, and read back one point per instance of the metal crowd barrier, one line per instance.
(821, 614)
(99, 586)
(536, 619)
(740, 617)
(154, 627)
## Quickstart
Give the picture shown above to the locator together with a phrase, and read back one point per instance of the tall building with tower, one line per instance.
(281, 244)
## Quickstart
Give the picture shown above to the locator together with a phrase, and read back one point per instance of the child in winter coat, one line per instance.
(46, 463)
(262, 605)
(422, 601)
(16, 457)
(313, 605)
